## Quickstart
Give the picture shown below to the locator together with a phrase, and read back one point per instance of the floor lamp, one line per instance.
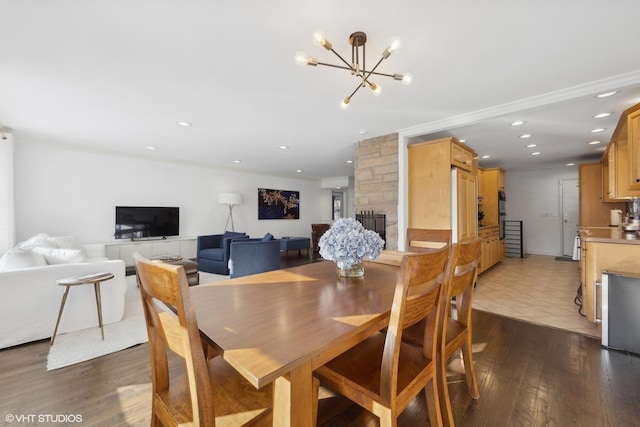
(229, 199)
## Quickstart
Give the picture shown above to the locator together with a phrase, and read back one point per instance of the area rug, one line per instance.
(79, 346)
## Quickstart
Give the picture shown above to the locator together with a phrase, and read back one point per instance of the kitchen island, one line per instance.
(604, 248)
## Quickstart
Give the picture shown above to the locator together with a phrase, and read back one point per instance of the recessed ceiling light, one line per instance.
(185, 124)
(605, 94)
(486, 156)
(531, 145)
(517, 123)
(535, 153)
(363, 132)
(349, 161)
(463, 140)
(237, 161)
(601, 115)
(299, 170)
(593, 142)
(596, 130)
(284, 147)
(525, 136)
(571, 164)
(150, 148)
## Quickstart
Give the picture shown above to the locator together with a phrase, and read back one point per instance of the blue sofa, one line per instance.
(213, 251)
(252, 256)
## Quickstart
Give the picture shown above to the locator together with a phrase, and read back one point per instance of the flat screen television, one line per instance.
(139, 222)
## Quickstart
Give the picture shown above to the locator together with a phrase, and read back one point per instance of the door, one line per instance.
(570, 215)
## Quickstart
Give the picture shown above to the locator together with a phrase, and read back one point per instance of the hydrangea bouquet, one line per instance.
(347, 243)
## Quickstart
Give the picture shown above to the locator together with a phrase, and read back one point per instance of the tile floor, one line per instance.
(538, 289)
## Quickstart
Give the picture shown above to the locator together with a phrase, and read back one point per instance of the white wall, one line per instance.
(7, 234)
(62, 191)
(534, 197)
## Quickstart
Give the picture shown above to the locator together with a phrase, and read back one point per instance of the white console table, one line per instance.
(124, 249)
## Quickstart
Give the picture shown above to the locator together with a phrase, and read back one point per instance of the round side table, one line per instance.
(85, 279)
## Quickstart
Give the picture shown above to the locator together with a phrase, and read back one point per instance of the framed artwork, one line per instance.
(278, 204)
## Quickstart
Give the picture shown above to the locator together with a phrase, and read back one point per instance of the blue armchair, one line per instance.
(214, 251)
(252, 256)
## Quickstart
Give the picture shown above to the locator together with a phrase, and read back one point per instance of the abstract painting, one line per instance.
(278, 204)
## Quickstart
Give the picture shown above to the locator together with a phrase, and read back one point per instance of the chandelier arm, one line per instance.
(336, 66)
(341, 58)
(354, 92)
(368, 74)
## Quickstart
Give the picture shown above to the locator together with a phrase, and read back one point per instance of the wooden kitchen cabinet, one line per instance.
(492, 249)
(601, 250)
(621, 161)
(435, 176)
(489, 183)
(633, 123)
(593, 210)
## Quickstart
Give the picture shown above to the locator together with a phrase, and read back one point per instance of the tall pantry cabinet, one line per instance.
(442, 187)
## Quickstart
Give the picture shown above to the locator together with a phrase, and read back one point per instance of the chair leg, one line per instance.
(387, 418)
(443, 390)
(433, 403)
(470, 370)
(316, 392)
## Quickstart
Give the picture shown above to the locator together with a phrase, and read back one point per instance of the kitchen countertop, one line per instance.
(608, 235)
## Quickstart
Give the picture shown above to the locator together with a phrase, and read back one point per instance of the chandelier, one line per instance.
(357, 41)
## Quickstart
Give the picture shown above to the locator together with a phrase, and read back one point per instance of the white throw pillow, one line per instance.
(61, 256)
(17, 258)
(38, 241)
(63, 242)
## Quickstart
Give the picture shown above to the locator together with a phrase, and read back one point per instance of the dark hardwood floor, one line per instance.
(528, 375)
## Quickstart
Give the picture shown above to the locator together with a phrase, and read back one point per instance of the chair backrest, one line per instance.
(424, 239)
(176, 331)
(417, 296)
(463, 275)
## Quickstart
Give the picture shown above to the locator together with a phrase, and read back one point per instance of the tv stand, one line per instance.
(125, 248)
(147, 239)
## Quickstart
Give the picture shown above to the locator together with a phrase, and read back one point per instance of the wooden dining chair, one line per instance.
(382, 373)
(202, 392)
(456, 320)
(426, 239)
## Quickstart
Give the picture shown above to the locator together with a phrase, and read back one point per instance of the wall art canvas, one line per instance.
(278, 204)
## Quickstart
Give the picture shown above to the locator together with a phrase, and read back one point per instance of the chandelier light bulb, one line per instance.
(344, 104)
(318, 37)
(302, 59)
(407, 79)
(375, 89)
(394, 44)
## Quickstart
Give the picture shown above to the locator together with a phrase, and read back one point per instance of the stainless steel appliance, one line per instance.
(620, 314)
(632, 220)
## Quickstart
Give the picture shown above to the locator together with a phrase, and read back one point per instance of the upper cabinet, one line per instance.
(621, 160)
(633, 123)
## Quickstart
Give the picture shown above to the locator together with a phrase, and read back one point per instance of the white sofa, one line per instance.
(30, 297)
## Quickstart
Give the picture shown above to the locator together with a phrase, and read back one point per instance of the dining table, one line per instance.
(276, 327)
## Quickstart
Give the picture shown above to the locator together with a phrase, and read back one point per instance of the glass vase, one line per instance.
(355, 270)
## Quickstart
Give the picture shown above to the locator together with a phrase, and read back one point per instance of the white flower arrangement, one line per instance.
(348, 242)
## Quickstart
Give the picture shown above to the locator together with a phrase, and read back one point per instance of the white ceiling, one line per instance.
(119, 75)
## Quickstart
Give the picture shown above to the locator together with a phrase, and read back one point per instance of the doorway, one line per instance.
(570, 216)
(337, 203)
